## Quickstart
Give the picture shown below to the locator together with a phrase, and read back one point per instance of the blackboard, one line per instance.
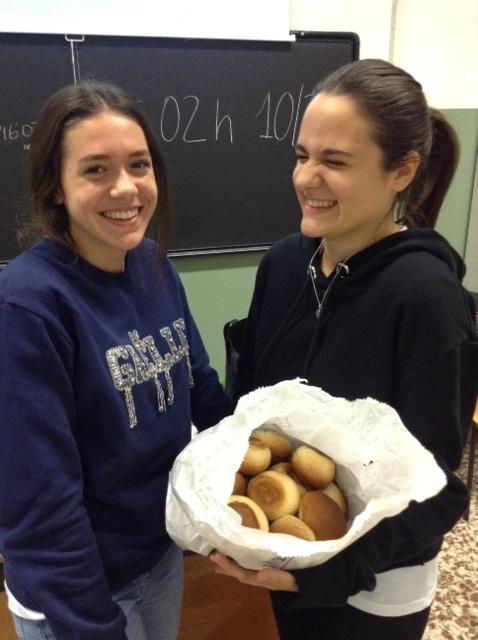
(226, 113)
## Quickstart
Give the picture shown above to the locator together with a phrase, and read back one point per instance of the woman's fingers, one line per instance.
(273, 579)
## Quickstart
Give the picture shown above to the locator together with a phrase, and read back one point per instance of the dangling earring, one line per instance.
(400, 208)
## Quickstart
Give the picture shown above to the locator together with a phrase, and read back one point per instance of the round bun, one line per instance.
(257, 458)
(276, 493)
(293, 526)
(336, 493)
(240, 485)
(286, 467)
(312, 467)
(323, 515)
(277, 443)
(251, 514)
(281, 467)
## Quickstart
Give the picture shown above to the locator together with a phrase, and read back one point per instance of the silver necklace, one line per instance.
(341, 266)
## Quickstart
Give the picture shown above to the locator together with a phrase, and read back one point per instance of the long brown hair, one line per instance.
(395, 105)
(73, 103)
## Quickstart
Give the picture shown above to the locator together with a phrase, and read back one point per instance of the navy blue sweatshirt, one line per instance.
(101, 377)
(396, 325)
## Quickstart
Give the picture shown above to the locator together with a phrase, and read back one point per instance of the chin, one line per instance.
(131, 242)
(310, 230)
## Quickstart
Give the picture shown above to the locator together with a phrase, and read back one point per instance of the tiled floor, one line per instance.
(455, 610)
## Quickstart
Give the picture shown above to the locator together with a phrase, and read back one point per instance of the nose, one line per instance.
(308, 174)
(124, 186)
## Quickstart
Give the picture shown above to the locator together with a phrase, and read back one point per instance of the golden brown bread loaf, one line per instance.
(276, 493)
(256, 459)
(322, 515)
(250, 512)
(312, 467)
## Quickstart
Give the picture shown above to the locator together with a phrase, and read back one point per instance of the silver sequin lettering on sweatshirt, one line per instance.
(136, 363)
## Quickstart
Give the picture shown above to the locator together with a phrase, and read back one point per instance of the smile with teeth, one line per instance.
(125, 214)
(320, 204)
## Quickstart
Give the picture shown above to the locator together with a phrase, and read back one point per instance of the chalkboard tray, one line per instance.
(226, 112)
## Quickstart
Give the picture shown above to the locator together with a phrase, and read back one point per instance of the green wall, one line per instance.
(454, 216)
(219, 287)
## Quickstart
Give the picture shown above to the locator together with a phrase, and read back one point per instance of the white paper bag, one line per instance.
(380, 468)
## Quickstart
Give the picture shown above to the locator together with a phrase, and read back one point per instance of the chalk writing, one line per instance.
(15, 131)
(184, 119)
(281, 117)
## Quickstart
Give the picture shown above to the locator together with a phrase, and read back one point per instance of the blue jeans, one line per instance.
(151, 604)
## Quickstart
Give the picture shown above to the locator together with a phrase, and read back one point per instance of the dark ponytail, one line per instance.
(425, 195)
(394, 103)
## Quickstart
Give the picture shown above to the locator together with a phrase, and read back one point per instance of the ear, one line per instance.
(405, 173)
(58, 198)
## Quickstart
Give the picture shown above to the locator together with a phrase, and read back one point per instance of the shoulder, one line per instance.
(293, 245)
(27, 274)
(423, 278)
(290, 253)
(430, 299)
(422, 258)
(148, 256)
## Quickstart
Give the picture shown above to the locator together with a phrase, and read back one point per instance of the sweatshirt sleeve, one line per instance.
(53, 564)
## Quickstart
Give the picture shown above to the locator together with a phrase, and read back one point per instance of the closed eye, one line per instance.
(335, 163)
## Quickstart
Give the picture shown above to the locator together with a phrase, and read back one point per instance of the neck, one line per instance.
(340, 250)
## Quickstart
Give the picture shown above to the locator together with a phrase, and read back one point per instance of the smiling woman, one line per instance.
(367, 302)
(81, 146)
(346, 195)
(95, 324)
(107, 187)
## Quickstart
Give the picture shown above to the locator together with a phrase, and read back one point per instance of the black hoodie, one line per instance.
(395, 325)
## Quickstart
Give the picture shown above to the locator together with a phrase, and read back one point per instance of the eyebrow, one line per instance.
(95, 157)
(325, 152)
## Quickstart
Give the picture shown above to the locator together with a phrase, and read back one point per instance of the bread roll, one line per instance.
(278, 443)
(256, 459)
(323, 515)
(312, 467)
(336, 493)
(286, 467)
(251, 514)
(293, 526)
(281, 467)
(240, 485)
(276, 493)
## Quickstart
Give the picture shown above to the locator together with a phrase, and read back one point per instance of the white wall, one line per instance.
(437, 42)
(247, 19)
